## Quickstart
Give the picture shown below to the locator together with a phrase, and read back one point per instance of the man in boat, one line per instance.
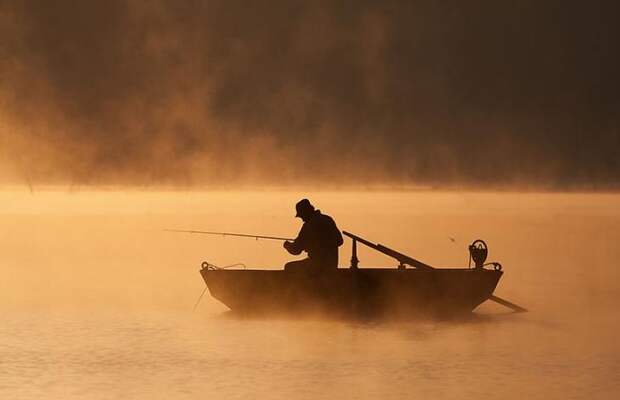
(319, 237)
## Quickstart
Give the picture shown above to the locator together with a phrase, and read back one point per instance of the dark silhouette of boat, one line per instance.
(412, 288)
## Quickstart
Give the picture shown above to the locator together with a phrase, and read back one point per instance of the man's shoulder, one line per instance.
(324, 218)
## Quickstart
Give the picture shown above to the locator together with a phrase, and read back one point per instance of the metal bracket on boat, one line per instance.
(213, 267)
(206, 265)
(354, 260)
(496, 266)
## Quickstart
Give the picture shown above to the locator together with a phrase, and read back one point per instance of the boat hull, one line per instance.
(367, 291)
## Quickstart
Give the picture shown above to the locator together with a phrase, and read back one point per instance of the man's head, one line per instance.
(304, 209)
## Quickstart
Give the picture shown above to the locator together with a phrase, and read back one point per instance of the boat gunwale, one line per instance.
(355, 270)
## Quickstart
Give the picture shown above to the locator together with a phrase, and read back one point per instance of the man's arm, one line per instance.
(339, 240)
(335, 233)
(298, 245)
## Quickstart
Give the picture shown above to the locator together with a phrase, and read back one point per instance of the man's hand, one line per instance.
(287, 246)
(291, 248)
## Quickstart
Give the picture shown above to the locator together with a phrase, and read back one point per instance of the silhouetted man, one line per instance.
(319, 237)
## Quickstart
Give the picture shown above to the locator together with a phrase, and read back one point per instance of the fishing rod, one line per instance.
(231, 234)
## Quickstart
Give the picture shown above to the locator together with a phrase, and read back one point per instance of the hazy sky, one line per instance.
(200, 92)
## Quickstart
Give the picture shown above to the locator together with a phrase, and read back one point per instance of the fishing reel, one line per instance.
(478, 252)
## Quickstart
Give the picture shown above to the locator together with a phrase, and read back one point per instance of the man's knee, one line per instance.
(297, 265)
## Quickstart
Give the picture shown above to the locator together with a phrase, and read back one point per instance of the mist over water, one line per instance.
(482, 94)
(97, 300)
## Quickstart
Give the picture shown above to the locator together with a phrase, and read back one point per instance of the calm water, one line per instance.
(96, 300)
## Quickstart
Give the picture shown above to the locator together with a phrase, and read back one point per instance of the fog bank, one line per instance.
(352, 92)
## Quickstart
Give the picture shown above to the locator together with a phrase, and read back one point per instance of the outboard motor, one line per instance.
(478, 251)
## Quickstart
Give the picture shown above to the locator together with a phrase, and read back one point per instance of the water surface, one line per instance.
(96, 299)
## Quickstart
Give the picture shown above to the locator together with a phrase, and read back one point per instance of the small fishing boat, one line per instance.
(412, 288)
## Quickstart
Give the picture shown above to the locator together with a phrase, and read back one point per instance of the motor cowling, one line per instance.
(478, 252)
